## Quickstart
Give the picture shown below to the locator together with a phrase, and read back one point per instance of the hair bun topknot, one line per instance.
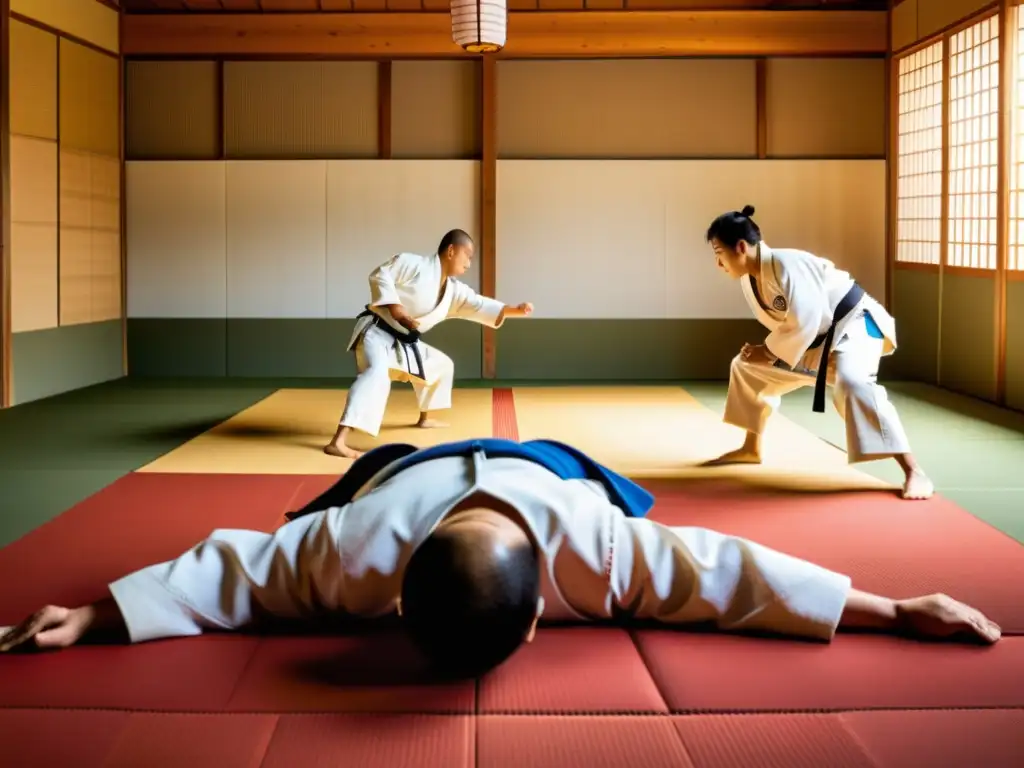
(748, 211)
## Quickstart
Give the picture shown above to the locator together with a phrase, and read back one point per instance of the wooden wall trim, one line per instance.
(1007, 84)
(122, 197)
(6, 391)
(892, 110)
(530, 35)
(384, 110)
(943, 207)
(489, 201)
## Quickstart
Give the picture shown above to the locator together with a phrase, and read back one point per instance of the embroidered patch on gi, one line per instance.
(780, 303)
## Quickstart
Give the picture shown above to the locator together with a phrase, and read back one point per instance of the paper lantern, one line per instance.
(479, 25)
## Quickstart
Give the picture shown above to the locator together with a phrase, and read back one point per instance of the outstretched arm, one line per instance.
(687, 575)
(221, 583)
(57, 627)
(467, 304)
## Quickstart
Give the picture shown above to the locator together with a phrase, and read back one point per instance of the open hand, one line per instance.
(51, 627)
(940, 616)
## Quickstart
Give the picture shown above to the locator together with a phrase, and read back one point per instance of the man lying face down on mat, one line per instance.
(472, 543)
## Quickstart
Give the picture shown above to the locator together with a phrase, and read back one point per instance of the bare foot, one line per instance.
(431, 424)
(940, 616)
(342, 451)
(739, 456)
(918, 486)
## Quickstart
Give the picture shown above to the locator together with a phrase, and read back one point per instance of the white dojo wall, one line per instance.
(625, 239)
(283, 239)
(579, 238)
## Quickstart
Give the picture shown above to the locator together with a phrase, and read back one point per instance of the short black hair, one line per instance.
(731, 227)
(467, 606)
(454, 237)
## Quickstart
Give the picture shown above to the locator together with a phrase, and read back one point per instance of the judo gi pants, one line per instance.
(873, 428)
(380, 363)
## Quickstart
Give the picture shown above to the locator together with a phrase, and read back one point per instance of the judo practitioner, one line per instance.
(409, 295)
(823, 328)
(471, 543)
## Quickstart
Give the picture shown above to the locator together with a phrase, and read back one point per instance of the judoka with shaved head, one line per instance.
(472, 544)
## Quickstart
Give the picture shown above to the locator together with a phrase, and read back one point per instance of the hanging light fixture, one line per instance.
(479, 25)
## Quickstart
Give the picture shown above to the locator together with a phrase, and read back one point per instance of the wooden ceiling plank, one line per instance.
(291, 6)
(567, 34)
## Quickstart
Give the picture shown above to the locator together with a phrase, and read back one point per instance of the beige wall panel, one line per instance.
(826, 107)
(572, 221)
(85, 19)
(276, 215)
(106, 276)
(903, 28)
(75, 276)
(644, 108)
(33, 277)
(176, 239)
(33, 181)
(75, 189)
(88, 100)
(435, 109)
(935, 15)
(376, 208)
(33, 85)
(300, 109)
(171, 110)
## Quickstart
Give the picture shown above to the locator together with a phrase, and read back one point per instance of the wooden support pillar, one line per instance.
(761, 94)
(892, 160)
(122, 237)
(6, 389)
(1007, 76)
(384, 110)
(488, 200)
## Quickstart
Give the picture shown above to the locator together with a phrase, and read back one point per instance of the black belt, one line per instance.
(408, 341)
(845, 307)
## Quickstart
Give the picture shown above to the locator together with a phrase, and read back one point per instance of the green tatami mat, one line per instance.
(56, 452)
(972, 450)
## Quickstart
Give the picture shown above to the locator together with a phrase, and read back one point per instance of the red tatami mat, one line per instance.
(140, 519)
(378, 672)
(149, 517)
(884, 739)
(726, 673)
(887, 545)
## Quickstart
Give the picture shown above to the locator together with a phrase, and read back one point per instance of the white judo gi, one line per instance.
(596, 563)
(799, 293)
(413, 281)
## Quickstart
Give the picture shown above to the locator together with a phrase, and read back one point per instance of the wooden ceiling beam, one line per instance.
(530, 35)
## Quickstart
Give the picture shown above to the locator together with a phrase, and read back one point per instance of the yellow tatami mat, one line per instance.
(284, 433)
(663, 432)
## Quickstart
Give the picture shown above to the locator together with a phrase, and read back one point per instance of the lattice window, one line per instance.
(1015, 251)
(973, 145)
(919, 157)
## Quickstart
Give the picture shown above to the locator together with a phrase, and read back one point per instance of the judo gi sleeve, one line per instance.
(385, 279)
(221, 583)
(695, 575)
(467, 304)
